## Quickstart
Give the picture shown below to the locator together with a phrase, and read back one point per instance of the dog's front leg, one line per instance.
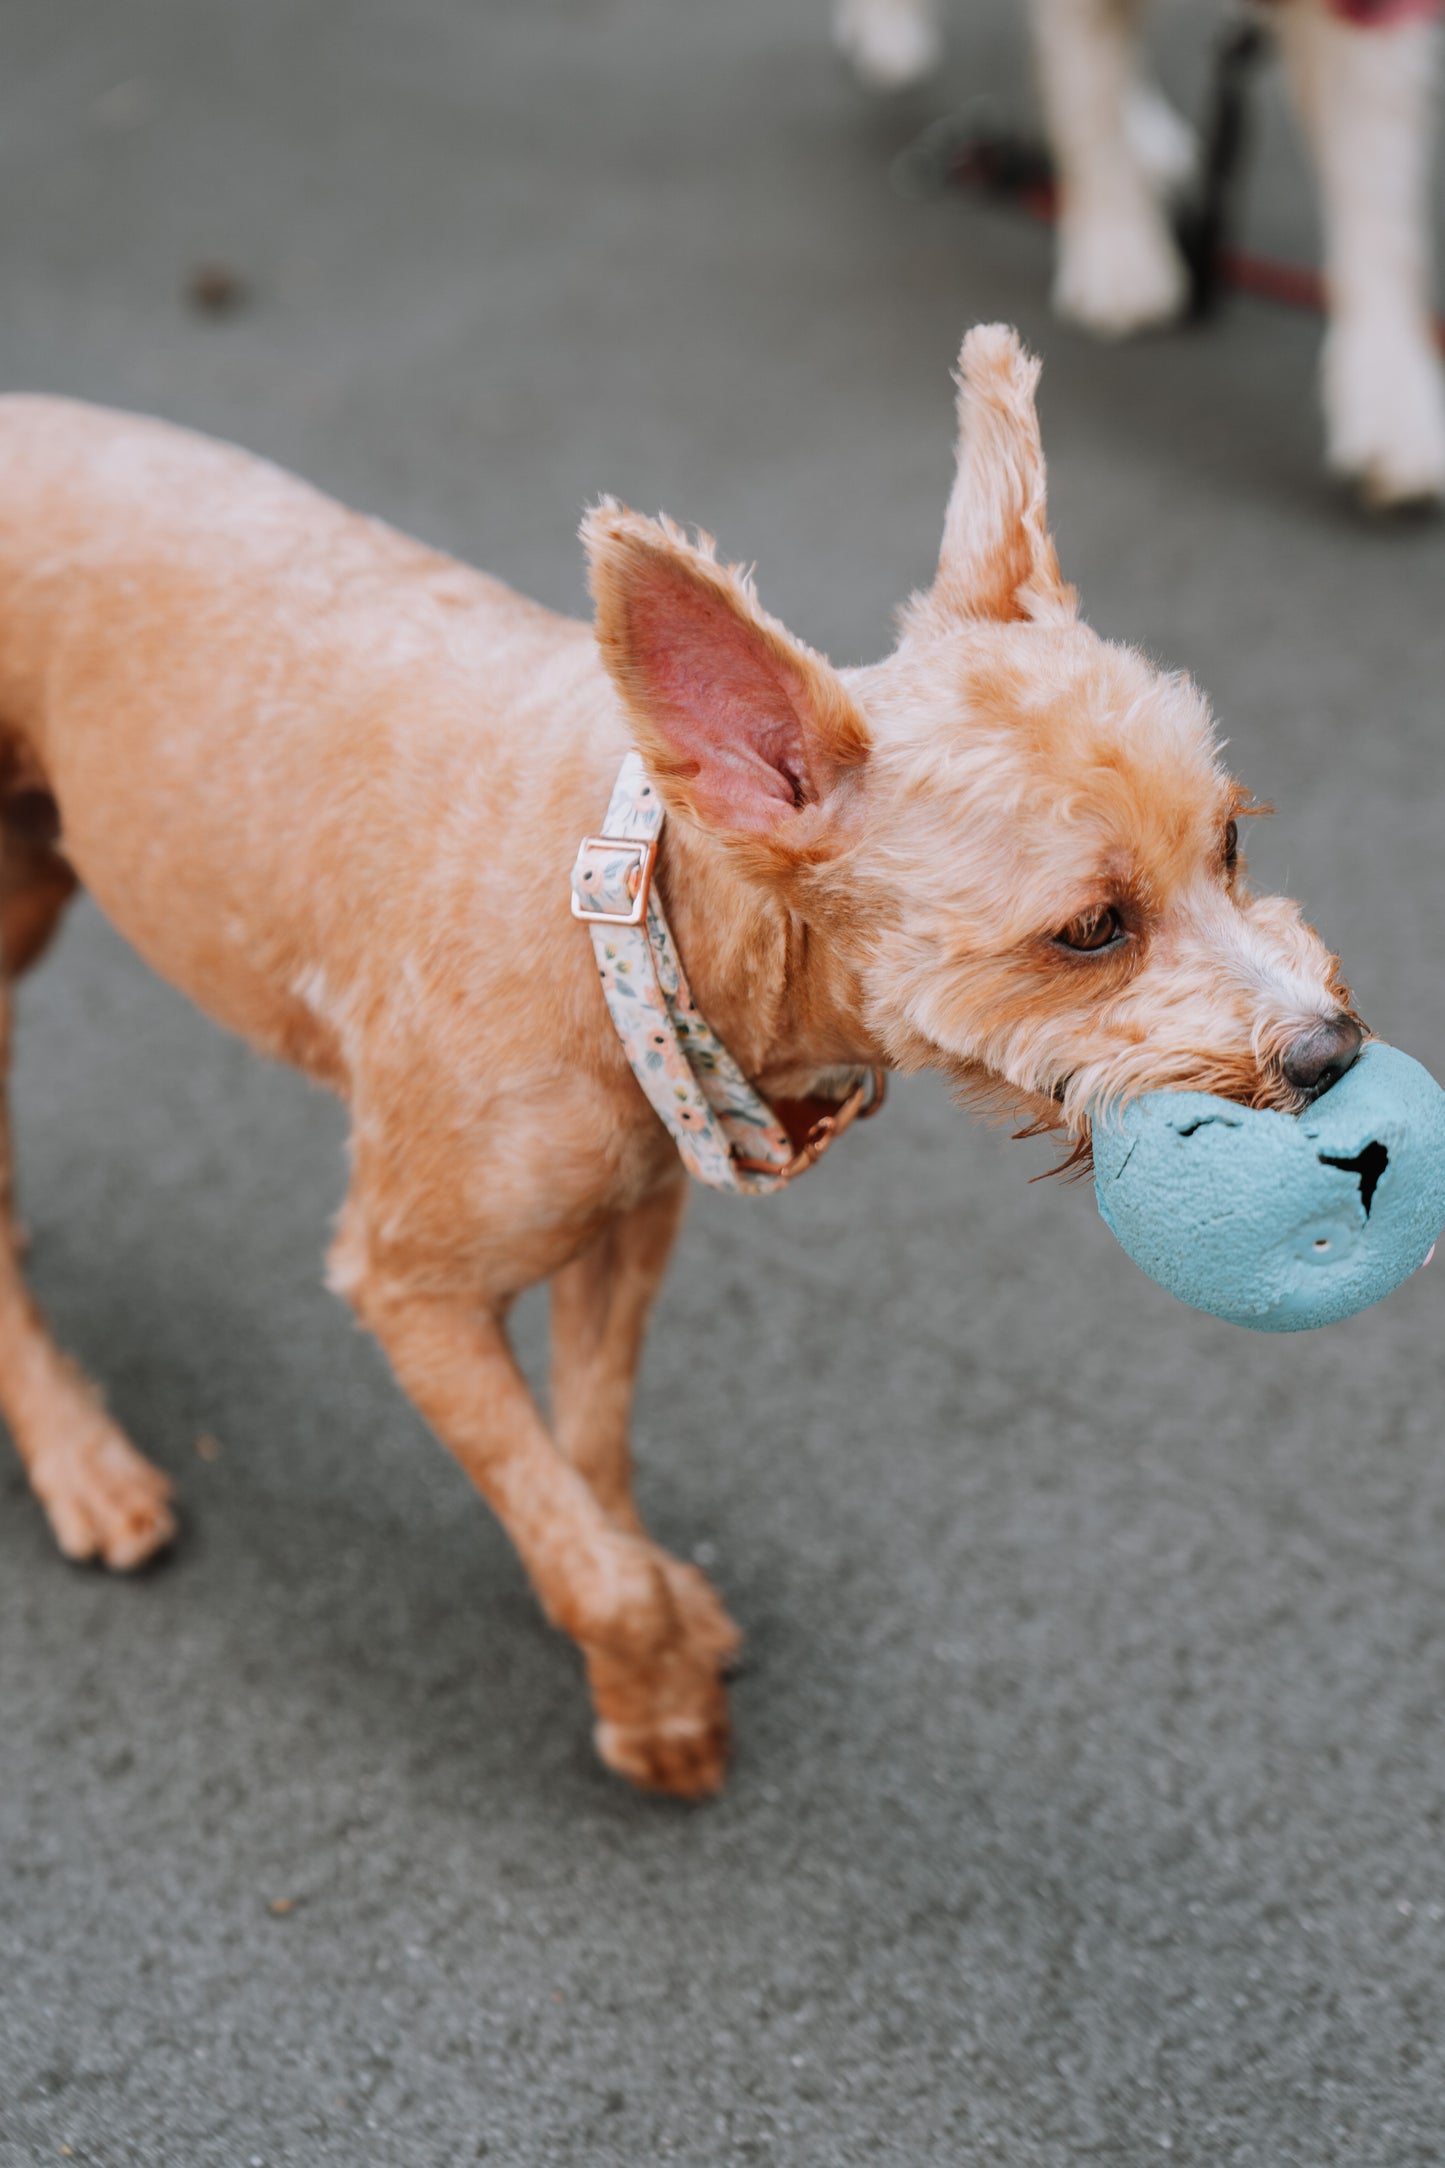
(654, 1654)
(1119, 270)
(1365, 99)
(601, 1301)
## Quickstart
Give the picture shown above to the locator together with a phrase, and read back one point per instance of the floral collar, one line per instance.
(726, 1133)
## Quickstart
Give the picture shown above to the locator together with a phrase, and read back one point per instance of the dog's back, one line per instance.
(295, 708)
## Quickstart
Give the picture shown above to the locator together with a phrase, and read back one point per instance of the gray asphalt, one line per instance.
(1090, 1783)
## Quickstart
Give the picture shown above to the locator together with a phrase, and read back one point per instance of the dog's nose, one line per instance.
(1321, 1055)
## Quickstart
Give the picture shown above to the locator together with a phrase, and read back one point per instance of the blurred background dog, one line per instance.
(1361, 76)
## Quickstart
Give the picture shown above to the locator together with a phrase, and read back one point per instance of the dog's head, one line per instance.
(1018, 838)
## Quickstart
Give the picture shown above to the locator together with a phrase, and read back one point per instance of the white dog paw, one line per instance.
(888, 43)
(1384, 392)
(1161, 139)
(1119, 270)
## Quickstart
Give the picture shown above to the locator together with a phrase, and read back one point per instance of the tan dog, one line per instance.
(331, 784)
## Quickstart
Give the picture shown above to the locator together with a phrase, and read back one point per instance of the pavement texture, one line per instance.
(1090, 1782)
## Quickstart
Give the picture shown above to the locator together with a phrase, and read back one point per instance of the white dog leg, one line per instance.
(1161, 138)
(1118, 267)
(888, 43)
(1364, 96)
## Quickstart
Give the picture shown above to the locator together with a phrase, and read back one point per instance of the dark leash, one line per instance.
(1206, 220)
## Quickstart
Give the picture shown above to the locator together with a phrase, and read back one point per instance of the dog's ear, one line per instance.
(997, 560)
(742, 725)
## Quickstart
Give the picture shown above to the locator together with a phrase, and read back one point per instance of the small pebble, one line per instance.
(214, 289)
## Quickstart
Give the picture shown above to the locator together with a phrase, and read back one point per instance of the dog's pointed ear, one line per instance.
(997, 561)
(743, 726)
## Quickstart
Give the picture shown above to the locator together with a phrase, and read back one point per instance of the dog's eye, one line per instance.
(1231, 848)
(1100, 928)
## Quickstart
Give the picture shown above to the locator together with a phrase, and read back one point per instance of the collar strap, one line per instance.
(726, 1133)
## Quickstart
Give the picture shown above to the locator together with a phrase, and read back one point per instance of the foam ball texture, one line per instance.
(1280, 1221)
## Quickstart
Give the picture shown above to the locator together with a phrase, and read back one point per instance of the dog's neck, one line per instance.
(784, 1003)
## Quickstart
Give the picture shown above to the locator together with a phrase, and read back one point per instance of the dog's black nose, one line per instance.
(1321, 1055)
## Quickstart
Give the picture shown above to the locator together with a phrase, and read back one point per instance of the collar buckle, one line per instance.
(612, 879)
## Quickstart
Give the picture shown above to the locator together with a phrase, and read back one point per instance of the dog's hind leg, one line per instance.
(36, 883)
(102, 1499)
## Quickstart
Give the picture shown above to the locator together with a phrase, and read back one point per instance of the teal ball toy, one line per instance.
(1280, 1221)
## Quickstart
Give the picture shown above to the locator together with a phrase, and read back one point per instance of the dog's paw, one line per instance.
(703, 1616)
(888, 44)
(656, 1641)
(1384, 396)
(1119, 271)
(103, 1501)
(665, 1726)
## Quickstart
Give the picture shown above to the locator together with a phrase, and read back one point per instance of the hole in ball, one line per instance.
(1367, 1169)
